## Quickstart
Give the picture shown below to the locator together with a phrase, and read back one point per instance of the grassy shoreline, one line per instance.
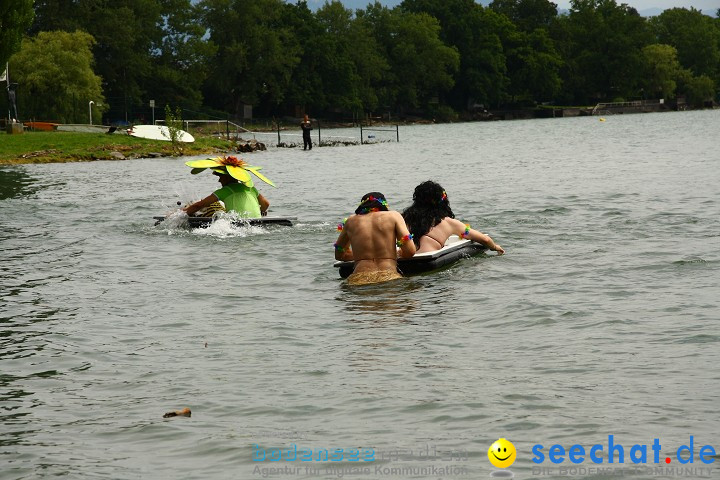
(61, 147)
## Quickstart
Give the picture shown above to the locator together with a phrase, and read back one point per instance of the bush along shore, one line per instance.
(61, 147)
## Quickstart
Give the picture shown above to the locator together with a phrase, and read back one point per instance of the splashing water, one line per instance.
(229, 224)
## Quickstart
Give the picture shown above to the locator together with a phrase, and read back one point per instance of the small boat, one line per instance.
(44, 126)
(198, 222)
(454, 250)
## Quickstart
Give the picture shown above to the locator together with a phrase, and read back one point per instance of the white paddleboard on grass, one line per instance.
(158, 132)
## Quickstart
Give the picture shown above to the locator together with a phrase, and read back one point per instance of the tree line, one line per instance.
(435, 58)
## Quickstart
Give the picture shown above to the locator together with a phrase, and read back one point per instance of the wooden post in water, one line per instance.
(397, 132)
(361, 134)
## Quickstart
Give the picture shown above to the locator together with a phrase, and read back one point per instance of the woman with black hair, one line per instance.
(431, 221)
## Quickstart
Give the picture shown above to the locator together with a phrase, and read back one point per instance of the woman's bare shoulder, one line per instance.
(453, 222)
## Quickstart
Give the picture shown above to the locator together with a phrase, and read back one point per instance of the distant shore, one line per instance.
(31, 147)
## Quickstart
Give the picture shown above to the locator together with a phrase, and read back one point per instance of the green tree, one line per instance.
(695, 36)
(55, 70)
(53, 15)
(533, 63)
(143, 48)
(174, 123)
(378, 21)
(123, 31)
(257, 52)
(348, 59)
(473, 31)
(697, 89)
(527, 15)
(179, 57)
(371, 64)
(306, 88)
(341, 88)
(662, 69)
(601, 44)
(533, 66)
(15, 17)
(422, 66)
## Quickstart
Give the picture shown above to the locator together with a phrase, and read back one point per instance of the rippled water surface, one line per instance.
(601, 319)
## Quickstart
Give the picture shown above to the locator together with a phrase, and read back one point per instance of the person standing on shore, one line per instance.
(306, 126)
(12, 104)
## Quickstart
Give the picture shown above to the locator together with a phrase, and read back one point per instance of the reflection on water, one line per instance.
(388, 301)
(15, 182)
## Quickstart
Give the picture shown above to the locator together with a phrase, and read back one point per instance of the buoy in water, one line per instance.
(602, 119)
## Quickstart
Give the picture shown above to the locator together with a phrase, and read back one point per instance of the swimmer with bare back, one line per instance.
(370, 238)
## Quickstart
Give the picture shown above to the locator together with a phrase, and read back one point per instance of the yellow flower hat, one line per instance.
(233, 166)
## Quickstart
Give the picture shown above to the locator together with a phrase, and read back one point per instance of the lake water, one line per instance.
(601, 320)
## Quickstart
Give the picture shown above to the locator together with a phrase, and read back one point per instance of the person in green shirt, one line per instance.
(237, 197)
(238, 192)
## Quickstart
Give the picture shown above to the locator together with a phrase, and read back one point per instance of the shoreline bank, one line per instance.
(33, 147)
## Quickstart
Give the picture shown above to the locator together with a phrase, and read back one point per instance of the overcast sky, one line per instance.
(707, 6)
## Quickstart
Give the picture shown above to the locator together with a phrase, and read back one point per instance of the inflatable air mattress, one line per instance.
(197, 222)
(454, 250)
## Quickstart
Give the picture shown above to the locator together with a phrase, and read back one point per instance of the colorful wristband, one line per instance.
(404, 240)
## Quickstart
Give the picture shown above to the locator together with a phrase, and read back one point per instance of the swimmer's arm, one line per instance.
(205, 202)
(264, 204)
(476, 236)
(407, 249)
(342, 247)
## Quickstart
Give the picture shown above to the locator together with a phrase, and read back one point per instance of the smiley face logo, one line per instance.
(502, 453)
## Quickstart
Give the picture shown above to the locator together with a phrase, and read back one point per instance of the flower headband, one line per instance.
(364, 206)
(370, 204)
(381, 201)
